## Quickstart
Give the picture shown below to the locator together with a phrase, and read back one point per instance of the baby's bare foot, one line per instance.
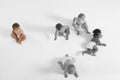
(19, 42)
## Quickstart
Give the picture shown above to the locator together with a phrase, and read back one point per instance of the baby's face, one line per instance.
(16, 29)
(100, 35)
(83, 17)
(71, 71)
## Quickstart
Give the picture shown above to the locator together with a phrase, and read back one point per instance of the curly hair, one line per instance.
(96, 32)
(80, 15)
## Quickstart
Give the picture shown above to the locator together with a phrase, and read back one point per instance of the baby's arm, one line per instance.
(65, 73)
(75, 74)
(56, 32)
(101, 44)
(74, 21)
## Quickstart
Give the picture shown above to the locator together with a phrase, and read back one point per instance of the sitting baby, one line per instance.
(17, 33)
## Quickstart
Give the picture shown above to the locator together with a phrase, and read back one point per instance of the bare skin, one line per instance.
(64, 33)
(80, 22)
(66, 67)
(91, 51)
(95, 49)
(18, 35)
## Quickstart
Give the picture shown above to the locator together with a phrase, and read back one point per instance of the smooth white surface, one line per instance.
(34, 59)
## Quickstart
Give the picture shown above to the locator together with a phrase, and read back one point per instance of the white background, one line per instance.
(35, 58)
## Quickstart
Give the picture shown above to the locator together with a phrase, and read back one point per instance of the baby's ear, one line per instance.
(66, 55)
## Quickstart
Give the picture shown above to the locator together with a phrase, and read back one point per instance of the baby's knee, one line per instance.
(23, 38)
(95, 49)
(13, 36)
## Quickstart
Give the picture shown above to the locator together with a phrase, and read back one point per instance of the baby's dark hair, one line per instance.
(15, 25)
(80, 15)
(96, 32)
(58, 26)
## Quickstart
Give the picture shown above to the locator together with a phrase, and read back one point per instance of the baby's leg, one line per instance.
(13, 35)
(94, 50)
(85, 27)
(88, 51)
(22, 38)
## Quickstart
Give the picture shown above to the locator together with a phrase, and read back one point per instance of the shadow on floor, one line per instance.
(60, 19)
(45, 30)
(87, 38)
(5, 32)
(53, 67)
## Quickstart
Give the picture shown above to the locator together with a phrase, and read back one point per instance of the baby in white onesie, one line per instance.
(67, 65)
(92, 45)
(62, 31)
(80, 23)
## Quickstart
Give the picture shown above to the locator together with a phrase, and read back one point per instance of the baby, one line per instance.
(95, 41)
(17, 33)
(62, 31)
(80, 23)
(67, 64)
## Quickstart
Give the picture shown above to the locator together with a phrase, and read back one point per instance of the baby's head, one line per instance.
(97, 33)
(15, 26)
(71, 69)
(81, 15)
(59, 26)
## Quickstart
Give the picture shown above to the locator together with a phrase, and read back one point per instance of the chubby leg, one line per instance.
(88, 51)
(21, 38)
(13, 35)
(94, 50)
(85, 27)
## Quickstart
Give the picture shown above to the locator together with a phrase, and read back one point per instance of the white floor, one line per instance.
(35, 58)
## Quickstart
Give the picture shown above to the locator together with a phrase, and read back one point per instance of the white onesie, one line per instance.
(68, 60)
(91, 44)
(78, 22)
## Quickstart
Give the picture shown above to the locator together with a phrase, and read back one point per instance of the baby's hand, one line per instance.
(55, 38)
(65, 75)
(19, 42)
(104, 44)
(76, 75)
